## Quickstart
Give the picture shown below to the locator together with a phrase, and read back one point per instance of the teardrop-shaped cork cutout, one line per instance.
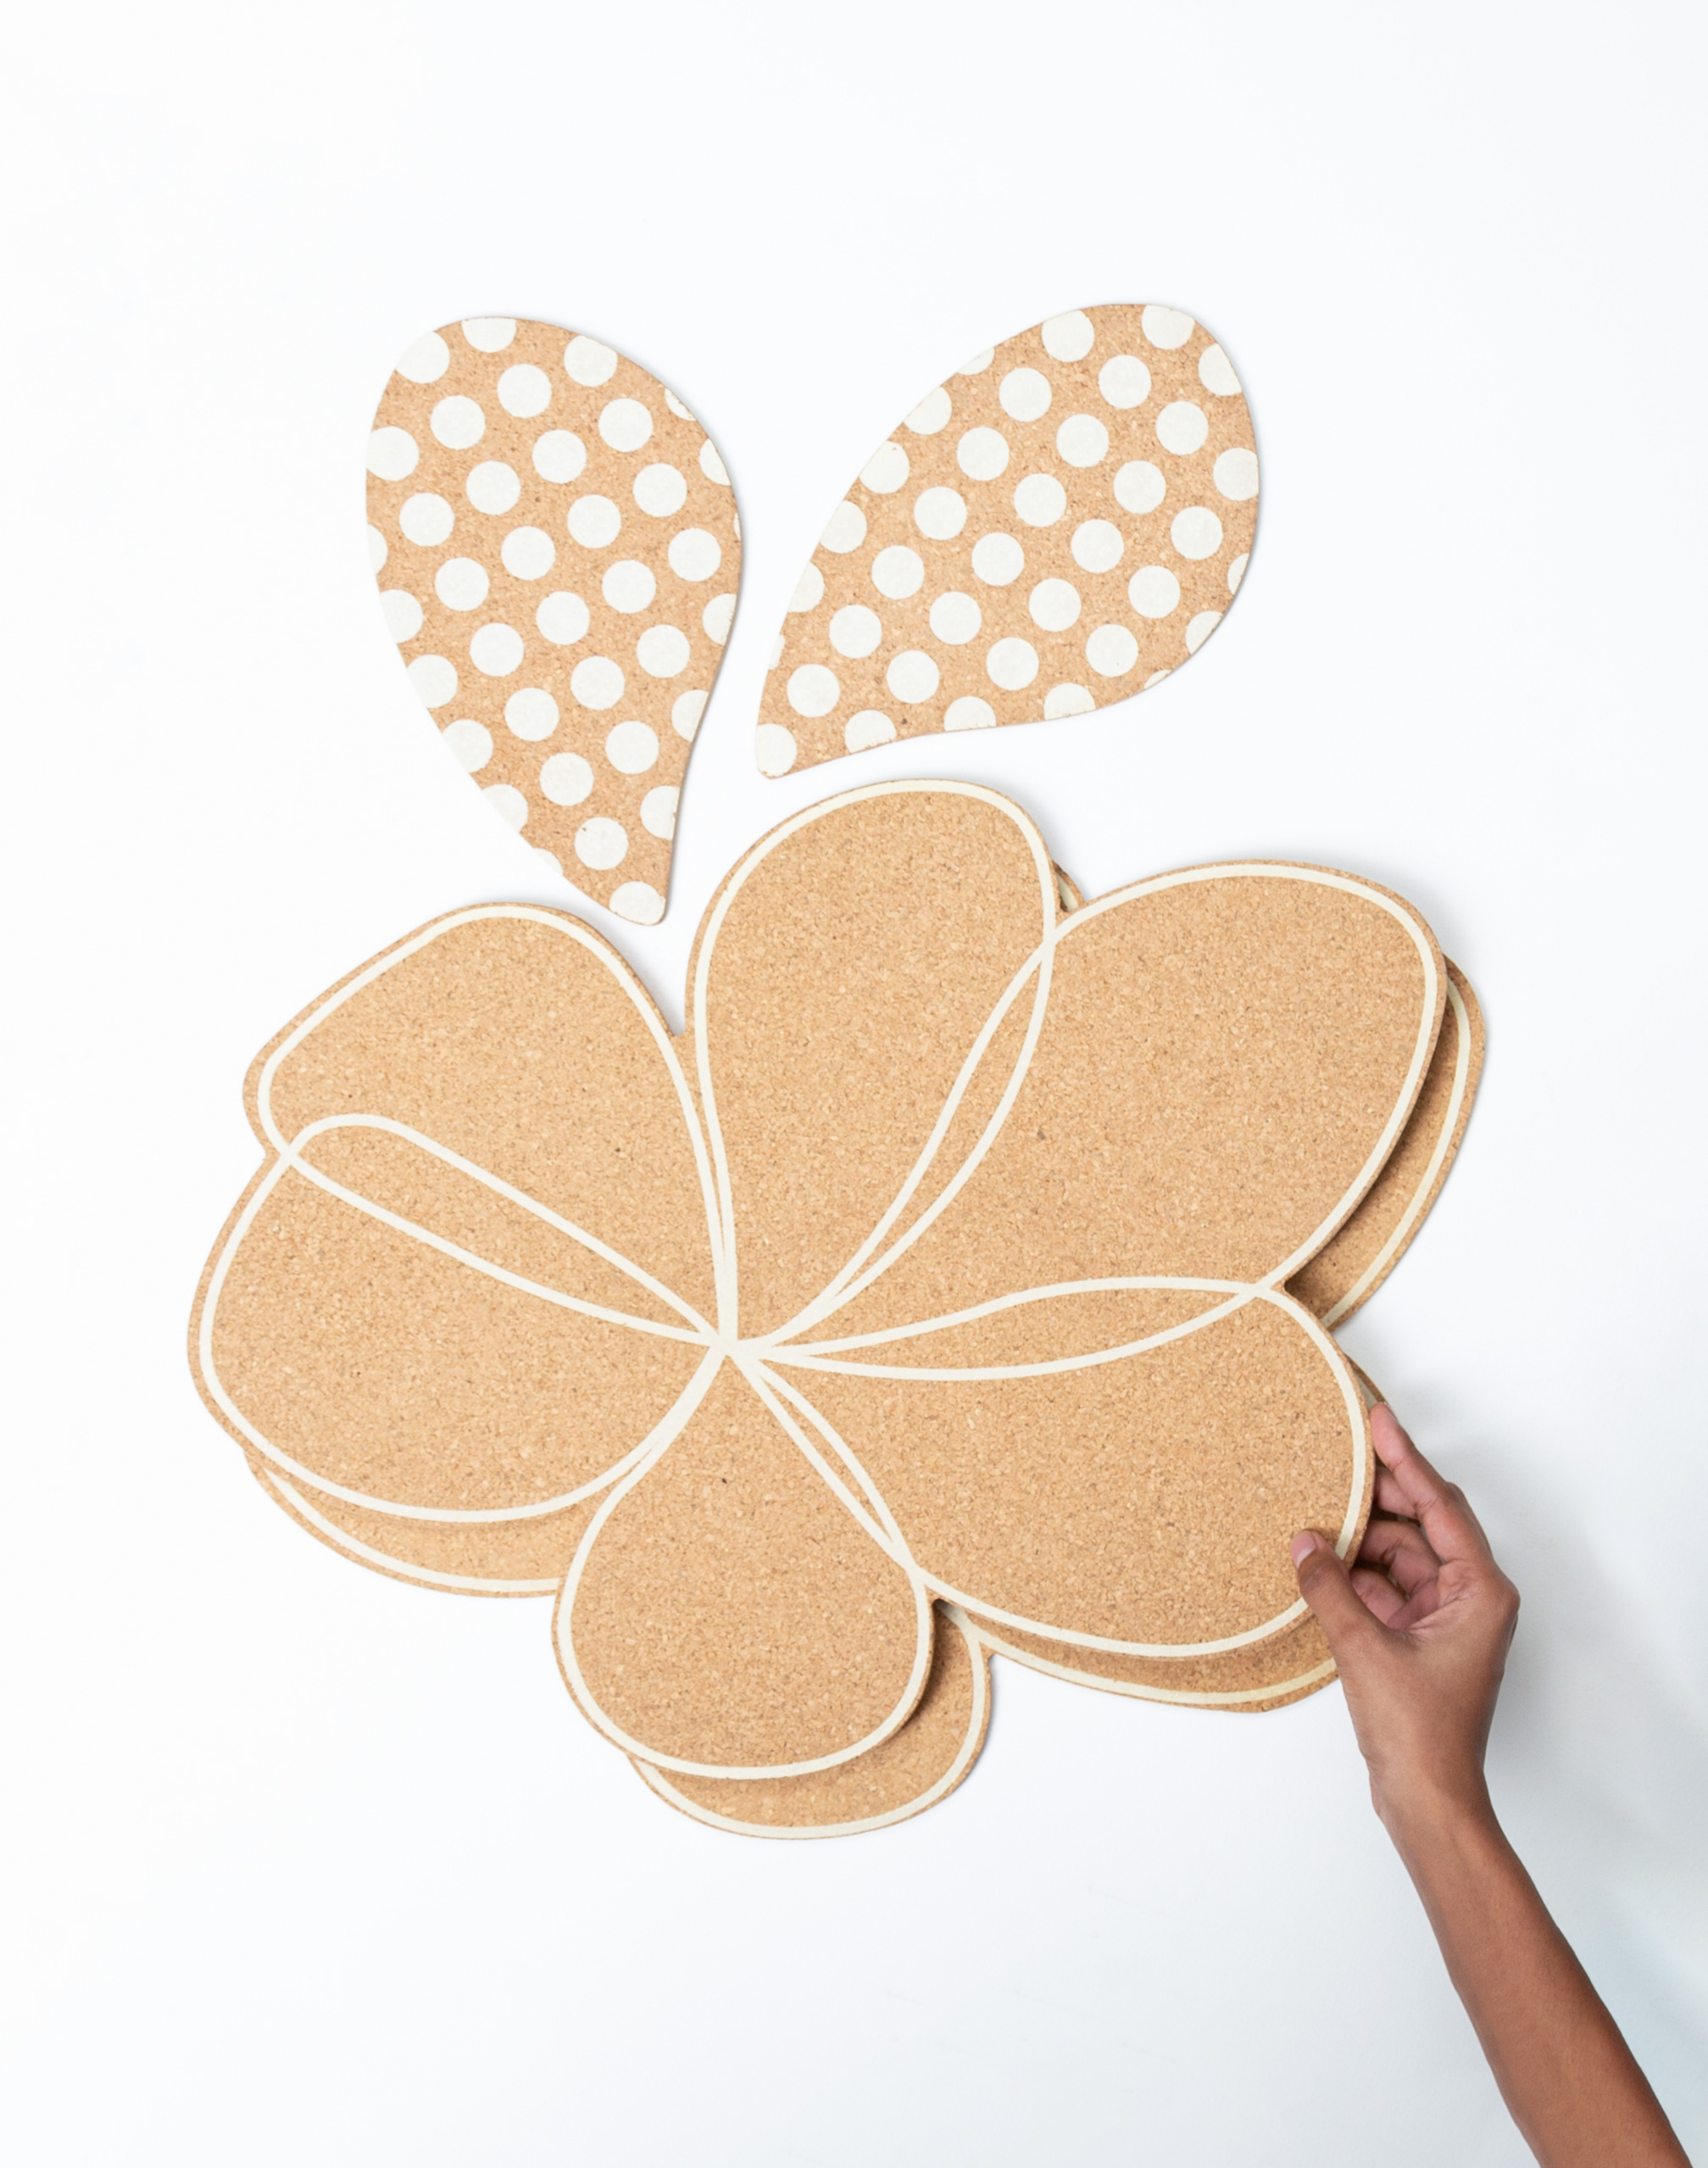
(728, 1614)
(558, 553)
(1061, 523)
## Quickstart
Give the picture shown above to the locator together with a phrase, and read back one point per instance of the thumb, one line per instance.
(1327, 1587)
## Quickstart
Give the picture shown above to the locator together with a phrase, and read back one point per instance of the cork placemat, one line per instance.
(943, 1262)
(559, 554)
(1061, 523)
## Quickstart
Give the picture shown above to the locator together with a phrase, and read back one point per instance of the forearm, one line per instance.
(1570, 2083)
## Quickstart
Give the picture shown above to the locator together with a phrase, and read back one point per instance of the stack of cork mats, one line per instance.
(959, 1280)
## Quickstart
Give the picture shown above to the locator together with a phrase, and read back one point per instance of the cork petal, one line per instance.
(1126, 1468)
(1287, 1667)
(729, 1613)
(914, 1769)
(515, 1039)
(1061, 523)
(1349, 1268)
(557, 552)
(451, 1293)
(355, 1354)
(841, 983)
(1226, 1058)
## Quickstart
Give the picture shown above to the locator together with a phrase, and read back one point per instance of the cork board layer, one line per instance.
(558, 555)
(1285, 1669)
(1347, 1271)
(1061, 523)
(913, 1769)
(516, 1558)
(942, 1261)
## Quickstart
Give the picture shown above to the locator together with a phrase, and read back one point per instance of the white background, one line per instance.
(303, 1865)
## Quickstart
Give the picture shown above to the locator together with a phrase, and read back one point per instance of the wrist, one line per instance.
(1419, 1808)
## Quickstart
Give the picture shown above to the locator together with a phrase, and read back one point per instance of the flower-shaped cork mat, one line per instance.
(559, 554)
(1061, 524)
(938, 1291)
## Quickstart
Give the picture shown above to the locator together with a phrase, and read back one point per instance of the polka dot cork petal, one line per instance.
(559, 554)
(959, 1280)
(1062, 522)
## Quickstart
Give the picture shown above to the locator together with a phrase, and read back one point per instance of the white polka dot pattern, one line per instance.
(557, 556)
(1059, 524)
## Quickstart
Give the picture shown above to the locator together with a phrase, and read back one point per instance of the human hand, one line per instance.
(1419, 1629)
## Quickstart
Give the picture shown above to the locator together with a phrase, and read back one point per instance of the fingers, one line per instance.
(1391, 1497)
(1440, 1506)
(1378, 1595)
(1327, 1587)
(1400, 1550)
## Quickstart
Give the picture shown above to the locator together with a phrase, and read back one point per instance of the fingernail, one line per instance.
(1303, 1545)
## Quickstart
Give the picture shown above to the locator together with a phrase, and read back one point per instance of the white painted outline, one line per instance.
(1432, 1175)
(696, 1327)
(697, 1332)
(1314, 877)
(761, 1359)
(874, 1515)
(965, 1756)
(818, 1358)
(844, 1285)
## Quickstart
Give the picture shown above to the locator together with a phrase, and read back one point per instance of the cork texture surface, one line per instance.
(558, 555)
(1058, 525)
(941, 1266)
(1266, 1674)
